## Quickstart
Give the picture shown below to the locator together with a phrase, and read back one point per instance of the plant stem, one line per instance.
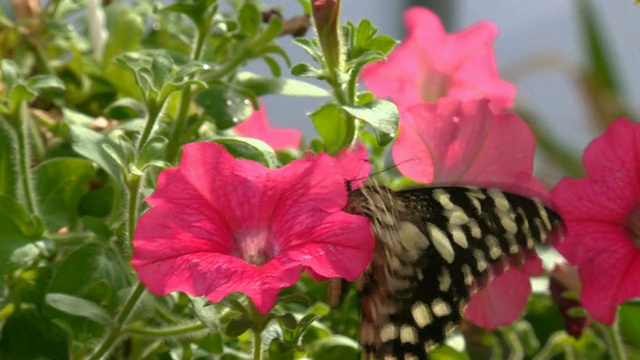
(114, 333)
(154, 109)
(614, 341)
(257, 345)
(132, 210)
(185, 100)
(166, 332)
(22, 127)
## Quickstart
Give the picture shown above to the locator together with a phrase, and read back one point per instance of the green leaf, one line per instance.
(382, 43)
(187, 70)
(126, 30)
(311, 47)
(88, 265)
(271, 32)
(10, 74)
(382, 115)
(597, 53)
(18, 230)
(46, 85)
(19, 94)
(28, 334)
(446, 352)
(16, 223)
(161, 69)
(267, 85)
(191, 10)
(60, 184)
(125, 109)
(226, 106)
(335, 347)
(629, 317)
(206, 312)
(152, 151)
(238, 326)
(331, 123)
(90, 144)
(288, 321)
(249, 148)
(76, 306)
(306, 70)
(250, 19)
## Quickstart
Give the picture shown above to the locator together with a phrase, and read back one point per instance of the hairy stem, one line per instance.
(106, 346)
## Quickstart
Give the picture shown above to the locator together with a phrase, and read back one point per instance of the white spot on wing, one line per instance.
(441, 243)
(444, 280)
(494, 246)
(440, 308)
(408, 334)
(421, 314)
(388, 332)
(458, 236)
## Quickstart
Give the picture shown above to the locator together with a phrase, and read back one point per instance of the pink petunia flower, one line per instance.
(218, 225)
(455, 142)
(257, 127)
(430, 64)
(602, 216)
(466, 143)
(503, 300)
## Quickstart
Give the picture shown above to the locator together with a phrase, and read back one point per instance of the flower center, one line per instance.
(434, 86)
(631, 226)
(253, 247)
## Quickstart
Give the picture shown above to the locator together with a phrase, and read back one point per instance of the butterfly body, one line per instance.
(434, 247)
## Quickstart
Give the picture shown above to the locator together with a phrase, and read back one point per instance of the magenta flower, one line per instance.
(454, 142)
(430, 64)
(257, 127)
(218, 225)
(602, 216)
(503, 300)
(466, 143)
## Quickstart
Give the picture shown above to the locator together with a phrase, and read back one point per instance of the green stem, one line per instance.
(185, 101)
(166, 332)
(40, 57)
(614, 341)
(114, 333)
(179, 127)
(154, 109)
(132, 209)
(21, 121)
(516, 350)
(257, 345)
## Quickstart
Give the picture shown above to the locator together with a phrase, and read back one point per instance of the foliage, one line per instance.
(87, 124)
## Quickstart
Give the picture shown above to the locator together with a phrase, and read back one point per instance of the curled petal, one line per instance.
(504, 299)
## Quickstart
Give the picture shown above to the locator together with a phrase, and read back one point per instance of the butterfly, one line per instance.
(434, 247)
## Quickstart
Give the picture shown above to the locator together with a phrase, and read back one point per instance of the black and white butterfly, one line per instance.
(434, 247)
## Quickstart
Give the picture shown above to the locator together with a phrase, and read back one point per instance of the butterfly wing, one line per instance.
(434, 247)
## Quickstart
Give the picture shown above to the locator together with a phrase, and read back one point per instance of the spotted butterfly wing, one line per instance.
(434, 247)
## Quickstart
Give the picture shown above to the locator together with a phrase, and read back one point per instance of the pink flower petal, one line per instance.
(465, 143)
(219, 225)
(610, 277)
(504, 299)
(257, 127)
(430, 64)
(596, 211)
